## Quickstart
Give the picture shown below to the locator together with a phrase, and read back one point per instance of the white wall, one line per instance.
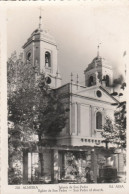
(83, 116)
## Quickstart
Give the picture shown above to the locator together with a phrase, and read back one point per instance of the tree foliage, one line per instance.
(38, 109)
(120, 117)
(31, 102)
(116, 131)
(34, 110)
(110, 132)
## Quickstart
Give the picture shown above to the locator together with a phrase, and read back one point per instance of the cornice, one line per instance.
(37, 40)
(93, 99)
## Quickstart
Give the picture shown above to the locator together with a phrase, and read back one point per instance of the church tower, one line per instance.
(99, 72)
(41, 51)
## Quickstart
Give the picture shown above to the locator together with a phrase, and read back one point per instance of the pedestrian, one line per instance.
(89, 175)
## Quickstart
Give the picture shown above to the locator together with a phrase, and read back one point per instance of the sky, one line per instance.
(78, 27)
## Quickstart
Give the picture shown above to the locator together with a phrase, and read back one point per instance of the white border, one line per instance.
(5, 188)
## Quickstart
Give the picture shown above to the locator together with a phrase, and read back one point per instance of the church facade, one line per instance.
(80, 142)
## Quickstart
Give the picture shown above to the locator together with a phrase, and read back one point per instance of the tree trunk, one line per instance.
(10, 161)
(41, 162)
(106, 151)
(41, 158)
(106, 144)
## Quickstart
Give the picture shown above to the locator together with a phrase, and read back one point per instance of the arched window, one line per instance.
(107, 80)
(98, 120)
(28, 56)
(91, 81)
(47, 59)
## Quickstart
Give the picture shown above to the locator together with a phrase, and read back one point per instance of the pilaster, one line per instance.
(94, 164)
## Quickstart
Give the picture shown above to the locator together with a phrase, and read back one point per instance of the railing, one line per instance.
(89, 140)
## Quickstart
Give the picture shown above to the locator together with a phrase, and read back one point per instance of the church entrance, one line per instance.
(64, 166)
(72, 165)
(60, 166)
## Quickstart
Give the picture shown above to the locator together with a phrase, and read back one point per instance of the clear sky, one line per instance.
(78, 28)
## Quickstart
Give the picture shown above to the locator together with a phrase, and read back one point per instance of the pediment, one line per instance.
(98, 93)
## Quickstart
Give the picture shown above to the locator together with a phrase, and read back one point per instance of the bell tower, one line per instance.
(99, 72)
(41, 51)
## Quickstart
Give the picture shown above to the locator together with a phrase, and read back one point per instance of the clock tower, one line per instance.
(41, 51)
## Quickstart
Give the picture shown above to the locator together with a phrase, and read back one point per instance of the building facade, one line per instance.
(80, 143)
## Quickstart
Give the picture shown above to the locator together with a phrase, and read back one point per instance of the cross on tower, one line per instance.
(77, 79)
(71, 77)
(98, 49)
(40, 18)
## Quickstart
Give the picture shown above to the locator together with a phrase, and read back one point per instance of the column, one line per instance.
(55, 176)
(94, 164)
(47, 163)
(61, 164)
(120, 163)
(116, 161)
(25, 167)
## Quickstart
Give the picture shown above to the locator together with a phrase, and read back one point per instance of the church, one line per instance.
(80, 142)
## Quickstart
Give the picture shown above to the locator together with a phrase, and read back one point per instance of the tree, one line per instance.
(110, 132)
(120, 115)
(116, 131)
(39, 109)
(33, 109)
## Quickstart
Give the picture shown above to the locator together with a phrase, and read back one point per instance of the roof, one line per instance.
(88, 92)
(98, 62)
(39, 35)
